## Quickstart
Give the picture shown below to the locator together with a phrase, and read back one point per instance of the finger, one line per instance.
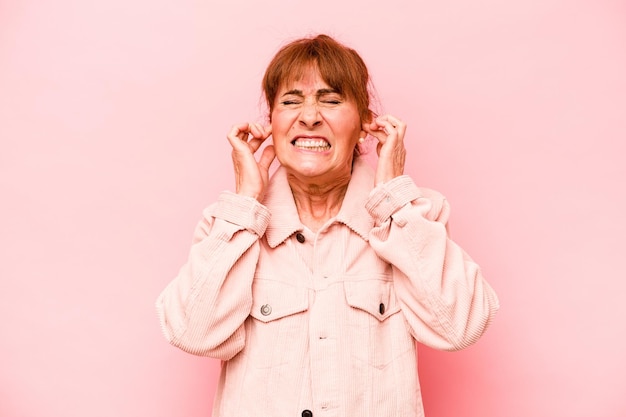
(390, 118)
(374, 130)
(397, 124)
(238, 133)
(257, 130)
(387, 127)
(373, 125)
(262, 131)
(394, 126)
(259, 133)
(267, 157)
(255, 143)
(240, 128)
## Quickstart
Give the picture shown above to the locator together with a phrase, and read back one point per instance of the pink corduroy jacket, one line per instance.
(324, 324)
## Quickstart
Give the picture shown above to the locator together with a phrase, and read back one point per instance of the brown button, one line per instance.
(300, 238)
(307, 413)
(266, 309)
(381, 308)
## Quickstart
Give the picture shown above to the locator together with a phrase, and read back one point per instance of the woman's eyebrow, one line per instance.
(319, 92)
(323, 91)
(293, 92)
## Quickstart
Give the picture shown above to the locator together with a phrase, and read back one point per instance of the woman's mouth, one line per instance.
(311, 144)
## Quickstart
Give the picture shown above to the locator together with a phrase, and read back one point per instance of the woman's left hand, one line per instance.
(389, 131)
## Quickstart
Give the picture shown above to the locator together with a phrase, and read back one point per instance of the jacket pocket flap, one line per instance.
(272, 300)
(374, 296)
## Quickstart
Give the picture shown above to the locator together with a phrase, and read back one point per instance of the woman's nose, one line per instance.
(310, 115)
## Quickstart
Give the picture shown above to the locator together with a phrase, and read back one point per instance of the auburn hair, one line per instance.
(339, 66)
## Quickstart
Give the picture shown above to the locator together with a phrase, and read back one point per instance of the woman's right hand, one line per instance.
(251, 176)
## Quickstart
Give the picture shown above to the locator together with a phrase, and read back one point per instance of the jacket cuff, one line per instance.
(387, 198)
(245, 212)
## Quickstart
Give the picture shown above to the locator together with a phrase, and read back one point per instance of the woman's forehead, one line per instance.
(306, 89)
(306, 75)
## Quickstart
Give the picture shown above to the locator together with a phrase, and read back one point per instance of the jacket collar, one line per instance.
(285, 220)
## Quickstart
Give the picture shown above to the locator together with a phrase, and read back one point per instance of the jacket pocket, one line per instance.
(377, 333)
(273, 300)
(373, 296)
(276, 329)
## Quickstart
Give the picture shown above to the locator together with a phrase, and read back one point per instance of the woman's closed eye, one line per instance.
(290, 102)
(330, 98)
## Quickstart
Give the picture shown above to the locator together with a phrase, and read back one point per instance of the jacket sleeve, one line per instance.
(442, 293)
(203, 309)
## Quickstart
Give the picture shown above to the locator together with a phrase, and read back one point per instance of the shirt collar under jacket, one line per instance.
(353, 214)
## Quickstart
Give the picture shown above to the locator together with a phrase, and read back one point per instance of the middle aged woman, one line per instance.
(313, 286)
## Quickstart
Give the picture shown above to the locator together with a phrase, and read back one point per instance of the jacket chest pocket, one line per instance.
(277, 327)
(377, 334)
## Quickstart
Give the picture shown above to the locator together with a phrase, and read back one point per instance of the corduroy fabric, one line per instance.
(327, 323)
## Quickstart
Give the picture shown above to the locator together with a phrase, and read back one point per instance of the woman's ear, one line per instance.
(366, 121)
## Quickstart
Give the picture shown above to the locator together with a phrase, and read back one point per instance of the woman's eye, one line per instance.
(289, 102)
(331, 99)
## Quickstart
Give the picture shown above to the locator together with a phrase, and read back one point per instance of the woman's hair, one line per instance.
(339, 66)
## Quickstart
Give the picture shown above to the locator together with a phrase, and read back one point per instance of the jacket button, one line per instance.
(381, 308)
(300, 238)
(266, 309)
(307, 413)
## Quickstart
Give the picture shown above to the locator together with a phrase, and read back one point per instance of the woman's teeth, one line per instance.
(312, 144)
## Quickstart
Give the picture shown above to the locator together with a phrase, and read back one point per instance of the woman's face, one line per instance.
(315, 129)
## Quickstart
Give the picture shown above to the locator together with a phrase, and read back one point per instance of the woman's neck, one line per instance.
(317, 203)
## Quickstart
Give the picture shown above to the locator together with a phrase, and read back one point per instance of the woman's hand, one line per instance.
(389, 131)
(251, 176)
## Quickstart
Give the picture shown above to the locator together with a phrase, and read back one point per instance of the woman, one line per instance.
(313, 286)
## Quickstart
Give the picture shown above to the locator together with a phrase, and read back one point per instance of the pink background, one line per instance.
(113, 116)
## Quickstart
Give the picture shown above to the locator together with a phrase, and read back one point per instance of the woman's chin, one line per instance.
(308, 164)
(307, 171)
